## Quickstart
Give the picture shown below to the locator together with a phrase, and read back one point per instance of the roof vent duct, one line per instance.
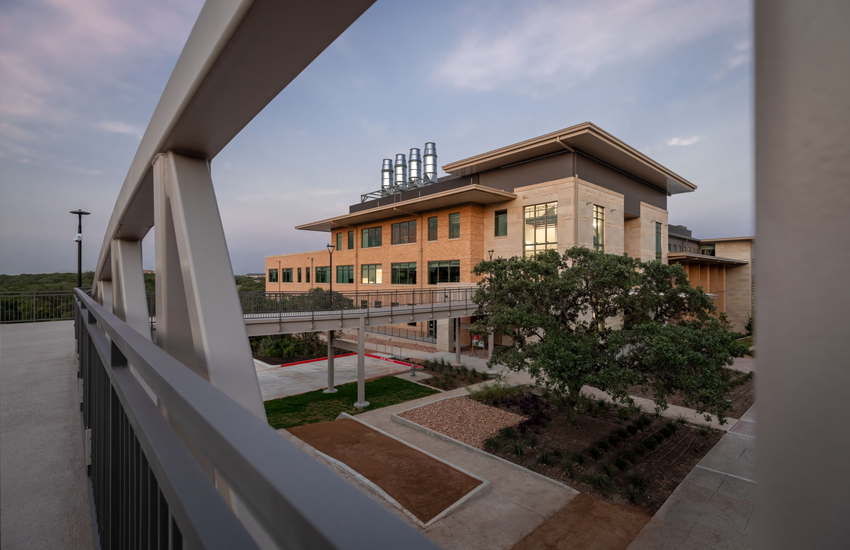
(415, 164)
(387, 171)
(400, 169)
(431, 162)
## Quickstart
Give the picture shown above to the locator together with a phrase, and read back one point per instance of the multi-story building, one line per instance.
(722, 267)
(579, 186)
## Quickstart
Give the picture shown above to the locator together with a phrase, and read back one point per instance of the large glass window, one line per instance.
(339, 241)
(351, 239)
(444, 272)
(371, 237)
(432, 228)
(286, 275)
(454, 225)
(657, 241)
(404, 232)
(404, 274)
(299, 274)
(598, 228)
(272, 275)
(370, 274)
(345, 274)
(501, 223)
(541, 228)
(323, 274)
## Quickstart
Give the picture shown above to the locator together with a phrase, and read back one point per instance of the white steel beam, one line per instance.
(220, 341)
(238, 57)
(129, 301)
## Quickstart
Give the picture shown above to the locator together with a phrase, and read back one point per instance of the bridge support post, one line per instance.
(457, 340)
(331, 388)
(361, 365)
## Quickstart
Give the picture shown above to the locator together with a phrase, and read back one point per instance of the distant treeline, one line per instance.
(29, 282)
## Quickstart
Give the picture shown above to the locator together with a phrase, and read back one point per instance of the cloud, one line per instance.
(683, 142)
(559, 42)
(118, 127)
(740, 56)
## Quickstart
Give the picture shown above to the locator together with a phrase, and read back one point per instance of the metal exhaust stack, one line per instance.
(387, 174)
(415, 165)
(400, 169)
(431, 162)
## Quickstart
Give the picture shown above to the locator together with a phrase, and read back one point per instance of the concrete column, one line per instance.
(491, 341)
(361, 365)
(331, 388)
(457, 340)
(802, 143)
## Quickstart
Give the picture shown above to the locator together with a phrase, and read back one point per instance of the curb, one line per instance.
(482, 488)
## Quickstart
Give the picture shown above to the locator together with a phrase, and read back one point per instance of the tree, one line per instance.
(611, 322)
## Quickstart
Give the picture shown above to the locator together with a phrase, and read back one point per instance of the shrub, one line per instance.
(633, 493)
(518, 448)
(624, 414)
(622, 433)
(600, 482)
(508, 432)
(578, 458)
(606, 469)
(632, 477)
(643, 421)
(681, 419)
(594, 452)
(650, 443)
(631, 429)
(705, 430)
(620, 463)
(491, 444)
(569, 467)
(558, 452)
(495, 392)
(614, 440)
(544, 457)
(640, 449)
(603, 445)
(629, 455)
(532, 441)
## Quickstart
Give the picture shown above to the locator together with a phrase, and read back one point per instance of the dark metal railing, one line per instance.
(419, 333)
(150, 492)
(29, 307)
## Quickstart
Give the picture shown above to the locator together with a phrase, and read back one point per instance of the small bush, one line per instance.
(495, 392)
(640, 449)
(632, 477)
(622, 433)
(629, 455)
(518, 448)
(606, 469)
(508, 432)
(578, 458)
(603, 445)
(643, 421)
(600, 482)
(681, 419)
(558, 452)
(569, 467)
(633, 493)
(492, 444)
(620, 463)
(544, 457)
(650, 442)
(705, 430)
(594, 452)
(631, 429)
(614, 440)
(532, 441)
(624, 414)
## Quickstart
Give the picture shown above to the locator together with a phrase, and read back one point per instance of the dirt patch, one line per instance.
(421, 484)
(588, 523)
(463, 419)
(741, 397)
(618, 454)
(298, 358)
(446, 377)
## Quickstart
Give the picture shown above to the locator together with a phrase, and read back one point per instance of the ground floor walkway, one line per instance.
(44, 498)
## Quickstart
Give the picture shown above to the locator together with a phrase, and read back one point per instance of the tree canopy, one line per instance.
(610, 322)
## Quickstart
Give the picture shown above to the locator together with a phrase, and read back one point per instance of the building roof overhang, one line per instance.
(587, 139)
(476, 194)
(702, 259)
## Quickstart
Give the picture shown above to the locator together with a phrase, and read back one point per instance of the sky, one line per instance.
(79, 81)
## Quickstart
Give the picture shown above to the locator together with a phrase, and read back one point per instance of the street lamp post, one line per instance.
(79, 238)
(330, 388)
(490, 252)
(331, 249)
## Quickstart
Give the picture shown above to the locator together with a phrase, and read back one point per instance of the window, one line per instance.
(432, 228)
(454, 225)
(371, 237)
(345, 274)
(669, 247)
(404, 274)
(339, 241)
(657, 241)
(272, 275)
(707, 249)
(307, 269)
(541, 228)
(370, 274)
(286, 275)
(299, 274)
(501, 223)
(351, 240)
(598, 228)
(323, 274)
(444, 272)
(404, 232)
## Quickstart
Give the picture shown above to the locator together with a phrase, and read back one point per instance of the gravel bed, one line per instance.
(463, 419)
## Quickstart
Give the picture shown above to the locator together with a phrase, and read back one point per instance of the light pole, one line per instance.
(330, 388)
(490, 252)
(79, 238)
(331, 249)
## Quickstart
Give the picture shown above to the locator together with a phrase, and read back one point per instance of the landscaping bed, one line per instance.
(620, 454)
(741, 397)
(463, 419)
(446, 377)
(299, 358)
(317, 406)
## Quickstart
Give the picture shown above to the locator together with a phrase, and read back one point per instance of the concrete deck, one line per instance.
(277, 382)
(44, 498)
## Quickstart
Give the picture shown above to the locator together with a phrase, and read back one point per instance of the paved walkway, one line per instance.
(713, 506)
(44, 500)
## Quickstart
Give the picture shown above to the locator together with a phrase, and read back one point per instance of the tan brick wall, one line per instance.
(614, 236)
(649, 216)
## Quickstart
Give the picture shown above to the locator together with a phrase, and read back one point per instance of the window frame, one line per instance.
(299, 275)
(307, 270)
(345, 270)
(339, 240)
(286, 273)
(449, 268)
(436, 228)
(658, 241)
(599, 228)
(273, 278)
(454, 225)
(351, 239)
(370, 237)
(372, 271)
(325, 270)
(500, 218)
(532, 248)
(396, 232)
(408, 268)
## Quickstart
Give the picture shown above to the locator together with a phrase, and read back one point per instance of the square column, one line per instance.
(361, 365)
(331, 388)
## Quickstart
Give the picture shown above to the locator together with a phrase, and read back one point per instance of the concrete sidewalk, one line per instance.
(44, 498)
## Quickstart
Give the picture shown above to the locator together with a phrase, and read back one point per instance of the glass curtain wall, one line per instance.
(541, 228)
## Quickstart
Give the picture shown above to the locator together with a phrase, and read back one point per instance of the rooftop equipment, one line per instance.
(394, 175)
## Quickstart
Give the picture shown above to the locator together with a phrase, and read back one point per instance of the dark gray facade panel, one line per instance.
(444, 184)
(529, 173)
(632, 190)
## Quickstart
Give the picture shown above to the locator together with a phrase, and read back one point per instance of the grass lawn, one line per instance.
(748, 341)
(316, 406)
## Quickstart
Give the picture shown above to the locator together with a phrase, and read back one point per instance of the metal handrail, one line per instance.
(297, 501)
